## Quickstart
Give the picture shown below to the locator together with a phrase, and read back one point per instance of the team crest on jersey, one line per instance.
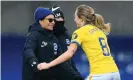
(55, 48)
(67, 41)
(74, 36)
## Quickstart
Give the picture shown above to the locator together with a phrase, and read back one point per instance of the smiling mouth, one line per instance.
(51, 25)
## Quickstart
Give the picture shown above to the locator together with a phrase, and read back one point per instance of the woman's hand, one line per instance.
(43, 66)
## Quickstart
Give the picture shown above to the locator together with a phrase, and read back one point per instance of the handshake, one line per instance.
(43, 66)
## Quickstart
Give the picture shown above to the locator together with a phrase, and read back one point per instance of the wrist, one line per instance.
(49, 65)
(38, 67)
(35, 66)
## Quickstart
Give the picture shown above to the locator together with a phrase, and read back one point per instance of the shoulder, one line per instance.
(77, 31)
(67, 34)
(64, 35)
(82, 30)
(33, 34)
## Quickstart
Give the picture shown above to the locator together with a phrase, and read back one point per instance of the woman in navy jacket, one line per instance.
(42, 46)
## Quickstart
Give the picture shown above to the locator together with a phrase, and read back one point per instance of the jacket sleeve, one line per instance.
(28, 52)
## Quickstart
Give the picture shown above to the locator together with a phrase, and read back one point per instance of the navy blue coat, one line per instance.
(42, 46)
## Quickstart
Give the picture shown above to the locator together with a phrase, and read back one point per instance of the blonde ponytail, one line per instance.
(99, 22)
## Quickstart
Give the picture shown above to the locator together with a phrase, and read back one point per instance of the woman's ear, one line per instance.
(40, 21)
(83, 22)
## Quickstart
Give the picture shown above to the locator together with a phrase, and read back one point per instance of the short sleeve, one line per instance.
(76, 38)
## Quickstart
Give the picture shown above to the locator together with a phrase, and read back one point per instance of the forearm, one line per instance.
(64, 57)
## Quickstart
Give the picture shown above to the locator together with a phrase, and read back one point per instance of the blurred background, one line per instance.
(16, 16)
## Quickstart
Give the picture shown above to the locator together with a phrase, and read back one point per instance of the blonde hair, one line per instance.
(88, 15)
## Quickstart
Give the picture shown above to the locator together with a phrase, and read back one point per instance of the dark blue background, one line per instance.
(12, 46)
